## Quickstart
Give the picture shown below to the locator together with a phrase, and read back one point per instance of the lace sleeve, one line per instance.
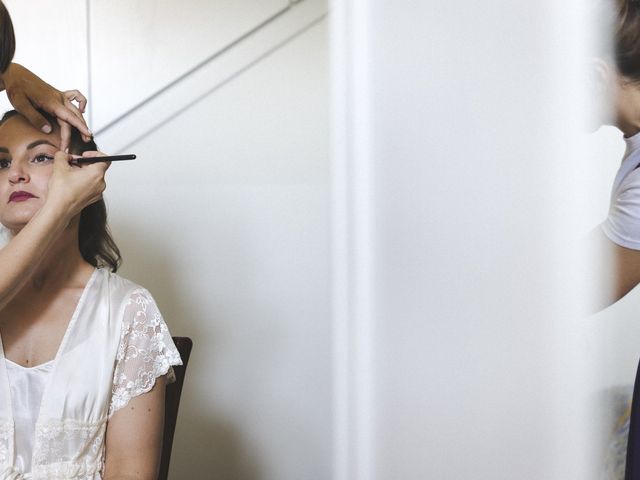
(146, 350)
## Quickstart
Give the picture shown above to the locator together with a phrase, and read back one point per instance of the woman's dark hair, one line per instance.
(626, 40)
(94, 237)
(7, 38)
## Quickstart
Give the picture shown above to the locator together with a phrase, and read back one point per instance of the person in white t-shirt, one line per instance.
(618, 85)
(617, 88)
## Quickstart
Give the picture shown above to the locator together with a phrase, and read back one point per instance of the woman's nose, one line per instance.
(17, 174)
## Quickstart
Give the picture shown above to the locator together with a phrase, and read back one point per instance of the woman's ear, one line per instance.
(600, 76)
(603, 94)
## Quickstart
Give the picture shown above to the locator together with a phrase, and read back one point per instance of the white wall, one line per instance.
(225, 214)
(456, 212)
(138, 47)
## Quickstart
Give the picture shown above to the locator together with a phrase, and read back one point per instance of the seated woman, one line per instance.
(78, 342)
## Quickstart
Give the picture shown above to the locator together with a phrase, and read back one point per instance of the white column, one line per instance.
(456, 162)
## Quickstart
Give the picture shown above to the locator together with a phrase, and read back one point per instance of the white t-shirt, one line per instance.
(622, 225)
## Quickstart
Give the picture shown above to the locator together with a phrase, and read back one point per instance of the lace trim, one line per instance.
(10, 473)
(146, 351)
(56, 471)
(67, 441)
(6, 437)
(68, 470)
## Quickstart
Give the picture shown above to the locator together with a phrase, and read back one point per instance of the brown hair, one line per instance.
(7, 38)
(96, 244)
(626, 44)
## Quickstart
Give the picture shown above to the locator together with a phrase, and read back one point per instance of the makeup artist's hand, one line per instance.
(27, 92)
(73, 187)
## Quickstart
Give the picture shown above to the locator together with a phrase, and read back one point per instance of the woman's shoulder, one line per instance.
(128, 301)
(122, 289)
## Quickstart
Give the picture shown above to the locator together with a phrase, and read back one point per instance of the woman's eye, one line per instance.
(4, 163)
(42, 158)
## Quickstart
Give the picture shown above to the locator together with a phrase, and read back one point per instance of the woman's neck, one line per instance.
(628, 109)
(628, 126)
(63, 265)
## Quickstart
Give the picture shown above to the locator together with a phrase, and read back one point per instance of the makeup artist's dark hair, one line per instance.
(94, 237)
(626, 38)
(7, 38)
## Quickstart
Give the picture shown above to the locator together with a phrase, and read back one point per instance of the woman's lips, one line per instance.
(20, 196)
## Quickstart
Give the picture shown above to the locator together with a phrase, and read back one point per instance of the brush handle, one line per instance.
(110, 158)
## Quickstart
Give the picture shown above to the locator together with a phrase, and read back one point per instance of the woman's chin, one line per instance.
(14, 226)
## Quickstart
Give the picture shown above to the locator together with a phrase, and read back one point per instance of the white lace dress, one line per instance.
(53, 416)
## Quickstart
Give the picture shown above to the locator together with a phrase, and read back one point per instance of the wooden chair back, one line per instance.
(172, 402)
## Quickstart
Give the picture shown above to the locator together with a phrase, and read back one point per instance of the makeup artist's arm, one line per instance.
(70, 190)
(134, 437)
(618, 270)
(27, 92)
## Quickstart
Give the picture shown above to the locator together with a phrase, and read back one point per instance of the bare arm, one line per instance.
(70, 189)
(618, 270)
(134, 437)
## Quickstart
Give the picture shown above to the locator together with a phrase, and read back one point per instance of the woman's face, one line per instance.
(26, 163)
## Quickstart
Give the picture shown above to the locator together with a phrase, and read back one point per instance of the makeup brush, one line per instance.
(109, 158)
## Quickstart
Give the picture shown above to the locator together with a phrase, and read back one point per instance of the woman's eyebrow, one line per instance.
(39, 142)
(4, 150)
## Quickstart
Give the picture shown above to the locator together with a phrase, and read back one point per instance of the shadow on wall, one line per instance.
(205, 444)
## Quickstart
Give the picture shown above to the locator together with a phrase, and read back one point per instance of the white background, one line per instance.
(469, 190)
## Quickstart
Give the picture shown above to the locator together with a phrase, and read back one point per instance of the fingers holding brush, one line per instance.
(90, 156)
(71, 188)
